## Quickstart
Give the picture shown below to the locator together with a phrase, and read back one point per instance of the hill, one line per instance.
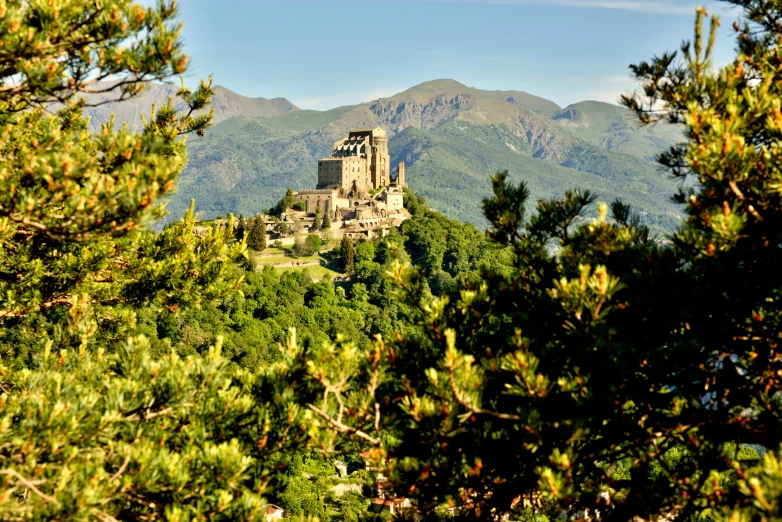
(613, 127)
(451, 137)
(227, 104)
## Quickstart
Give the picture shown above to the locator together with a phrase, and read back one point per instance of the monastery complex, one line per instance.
(355, 188)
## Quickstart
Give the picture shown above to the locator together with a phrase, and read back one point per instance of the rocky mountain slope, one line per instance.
(450, 136)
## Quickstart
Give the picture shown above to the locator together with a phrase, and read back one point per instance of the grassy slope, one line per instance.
(280, 259)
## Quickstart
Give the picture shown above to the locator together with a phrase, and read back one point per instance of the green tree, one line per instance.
(124, 436)
(365, 252)
(285, 203)
(120, 39)
(314, 242)
(256, 235)
(282, 228)
(603, 370)
(307, 246)
(348, 255)
(241, 228)
(95, 427)
(326, 224)
(74, 208)
(317, 223)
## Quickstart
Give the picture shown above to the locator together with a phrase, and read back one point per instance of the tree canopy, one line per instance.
(565, 365)
(602, 370)
(94, 426)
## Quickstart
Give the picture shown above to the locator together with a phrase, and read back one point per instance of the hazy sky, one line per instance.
(322, 54)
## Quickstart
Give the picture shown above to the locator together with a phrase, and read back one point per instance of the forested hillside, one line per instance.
(253, 323)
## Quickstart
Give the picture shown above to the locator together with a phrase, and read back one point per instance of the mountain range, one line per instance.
(451, 137)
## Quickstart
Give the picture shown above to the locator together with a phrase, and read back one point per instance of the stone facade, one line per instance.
(327, 200)
(358, 164)
(394, 197)
(349, 174)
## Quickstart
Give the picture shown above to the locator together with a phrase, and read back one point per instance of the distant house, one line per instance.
(395, 506)
(383, 488)
(274, 512)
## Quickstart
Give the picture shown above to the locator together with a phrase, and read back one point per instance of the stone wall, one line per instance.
(348, 172)
(314, 199)
(394, 199)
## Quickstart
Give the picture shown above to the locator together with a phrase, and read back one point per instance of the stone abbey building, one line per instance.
(354, 185)
(358, 164)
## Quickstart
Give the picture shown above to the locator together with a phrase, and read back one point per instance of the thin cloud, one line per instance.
(639, 6)
(316, 103)
(376, 94)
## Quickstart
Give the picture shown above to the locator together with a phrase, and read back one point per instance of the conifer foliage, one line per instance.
(612, 375)
(241, 228)
(317, 223)
(256, 233)
(348, 254)
(285, 203)
(111, 39)
(599, 373)
(93, 427)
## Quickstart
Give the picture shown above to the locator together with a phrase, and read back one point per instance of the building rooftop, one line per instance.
(377, 132)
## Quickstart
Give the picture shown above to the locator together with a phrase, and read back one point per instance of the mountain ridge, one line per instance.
(452, 138)
(226, 103)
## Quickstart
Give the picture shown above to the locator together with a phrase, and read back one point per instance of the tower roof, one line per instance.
(377, 132)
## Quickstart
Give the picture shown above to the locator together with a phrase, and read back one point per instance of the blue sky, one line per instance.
(322, 54)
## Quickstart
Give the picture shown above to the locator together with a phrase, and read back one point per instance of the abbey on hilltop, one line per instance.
(359, 163)
(355, 187)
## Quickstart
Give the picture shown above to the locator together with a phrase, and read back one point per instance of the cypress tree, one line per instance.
(287, 201)
(348, 255)
(326, 223)
(256, 237)
(241, 228)
(318, 221)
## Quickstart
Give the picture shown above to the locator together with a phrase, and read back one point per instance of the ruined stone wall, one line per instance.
(314, 199)
(400, 176)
